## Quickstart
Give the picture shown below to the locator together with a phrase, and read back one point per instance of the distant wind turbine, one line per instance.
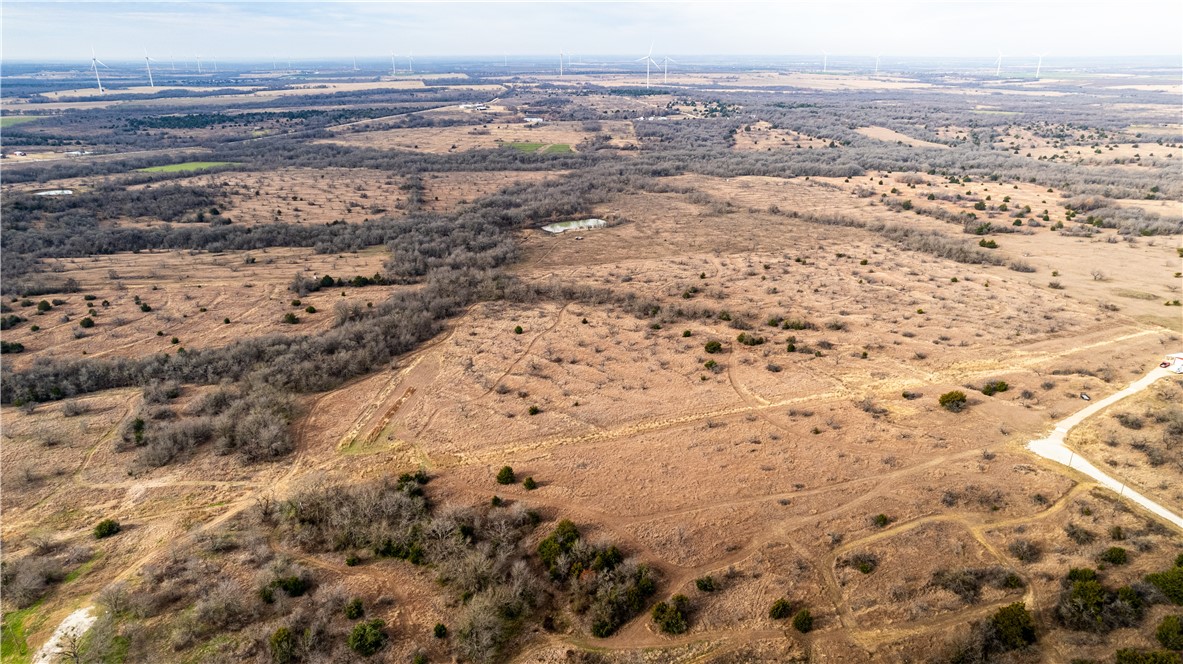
(825, 61)
(410, 61)
(998, 66)
(199, 64)
(148, 65)
(94, 64)
(648, 60)
(665, 69)
(877, 64)
(1039, 65)
(560, 64)
(393, 66)
(355, 63)
(215, 63)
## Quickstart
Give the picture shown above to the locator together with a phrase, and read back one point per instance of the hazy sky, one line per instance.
(229, 30)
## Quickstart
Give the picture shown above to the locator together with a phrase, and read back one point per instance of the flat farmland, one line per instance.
(493, 135)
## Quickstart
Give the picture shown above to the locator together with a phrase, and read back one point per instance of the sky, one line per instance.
(65, 31)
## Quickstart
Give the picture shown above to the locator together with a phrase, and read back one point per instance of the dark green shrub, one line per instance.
(706, 584)
(310, 309)
(803, 621)
(505, 475)
(952, 401)
(560, 541)
(1013, 627)
(1115, 555)
(533, 410)
(496, 501)
(86, 322)
(881, 520)
(44, 306)
(144, 307)
(352, 560)
(518, 329)
(995, 386)
(290, 318)
(713, 347)
(687, 333)
(1132, 656)
(283, 646)
(293, 585)
(368, 638)
(1170, 632)
(1169, 582)
(440, 631)
(106, 528)
(780, 609)
(529, 484)
(354, 609)
(672, 617)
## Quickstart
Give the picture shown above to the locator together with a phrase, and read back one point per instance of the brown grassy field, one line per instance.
(805, 458)
(190, 297)
(493, 135)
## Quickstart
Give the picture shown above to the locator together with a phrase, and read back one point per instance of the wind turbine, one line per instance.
(877, 64)
(1039, 65)
(665, 69)
(199, 64)
(410, 61)
(560, 64)
(393, 66)
(648, 60)
(94, 64)
(825, 61)
(998, 66)
(148, 64)
(213, 60)
(355, 63)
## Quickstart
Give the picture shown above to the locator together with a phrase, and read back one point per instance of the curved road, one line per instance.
(1053, 448)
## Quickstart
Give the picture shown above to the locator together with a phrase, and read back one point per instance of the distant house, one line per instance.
(534, 120)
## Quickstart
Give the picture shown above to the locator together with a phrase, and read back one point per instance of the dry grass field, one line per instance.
(737, 382)
(554, 136)
(189, 298)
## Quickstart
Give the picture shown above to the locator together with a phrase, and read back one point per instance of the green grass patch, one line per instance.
(10, 120)
(83, 568)
(525, 147)
(13, 629)
(186, 166)
(1135, 295)
(557, 148)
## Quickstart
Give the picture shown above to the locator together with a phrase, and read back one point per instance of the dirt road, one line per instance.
(1053, 448)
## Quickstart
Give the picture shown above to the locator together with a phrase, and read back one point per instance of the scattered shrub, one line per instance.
(706, 584)
(368, 638)
(713, 347)
(1170, 632)
(440, 631)
(995, 386)
(505, 475)
(107, 528)
(952, 401)
(803, 621)
(780, 609)
(1115, 555)
(354, 609)
(673, 617)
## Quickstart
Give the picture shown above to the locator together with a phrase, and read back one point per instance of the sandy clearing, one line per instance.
(72, 627)
(885, 134)
(1053, 448)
